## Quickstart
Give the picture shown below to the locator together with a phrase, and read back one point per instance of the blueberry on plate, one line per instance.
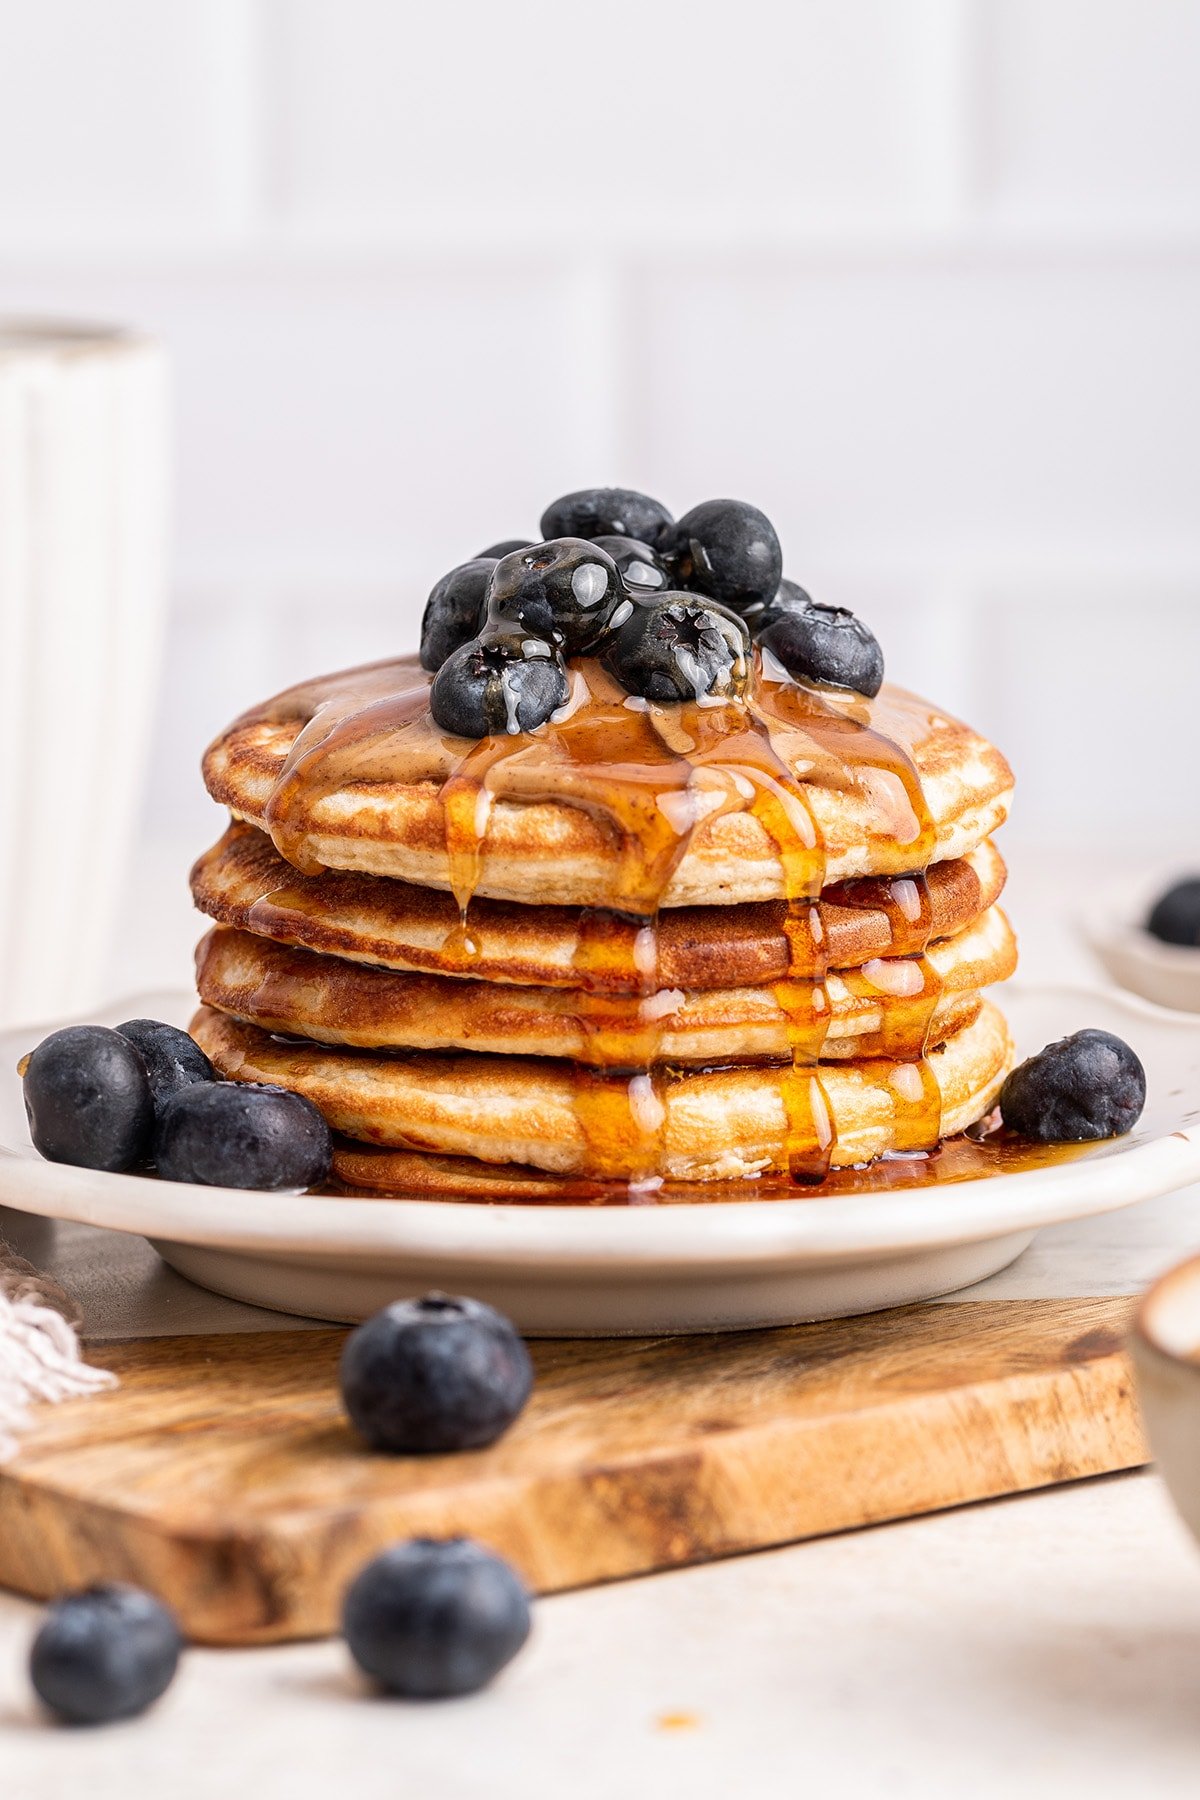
(435, 1374)
(606, 512)
(640, 567)
(505, 547)
(1089, 1085)
(108, 1653)
(173, 1060)
(820, 643)
(564, 591)
(232, 1134)
(1175, 915)
(431, 1618)
(88, 1099)
(728, 550)
(454, 611)
(677, 648)
(497, 684)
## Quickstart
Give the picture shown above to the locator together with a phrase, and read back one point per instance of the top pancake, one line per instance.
(617, 802)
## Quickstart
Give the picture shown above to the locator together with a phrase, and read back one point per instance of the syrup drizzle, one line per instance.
(651, 774)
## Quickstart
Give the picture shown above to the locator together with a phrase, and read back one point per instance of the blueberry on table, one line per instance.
(429, 1619)
(640, 567)
(454, 611)
(1175, 915)
(606, 512)
(435, 1374)
(564, 591)
(505, 547)
(677, 648)
(88, 1099)
(820, 643)
(498, 684)
(173, 1060)
(728, 550)
(105, 1654)
(1090, 1085)
(232, 1134)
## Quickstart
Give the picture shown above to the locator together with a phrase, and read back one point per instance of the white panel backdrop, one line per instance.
(921, 277)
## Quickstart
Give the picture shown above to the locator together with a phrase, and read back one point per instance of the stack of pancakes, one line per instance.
(642, 946)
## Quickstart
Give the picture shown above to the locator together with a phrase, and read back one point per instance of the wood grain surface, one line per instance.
(222, 1473)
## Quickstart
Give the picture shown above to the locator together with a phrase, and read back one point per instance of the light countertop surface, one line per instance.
(1048, 1643)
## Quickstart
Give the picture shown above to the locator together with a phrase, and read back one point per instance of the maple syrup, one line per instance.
(652, 774)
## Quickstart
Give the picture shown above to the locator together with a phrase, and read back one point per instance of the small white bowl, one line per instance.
(1167, 974)
(1166, 1354)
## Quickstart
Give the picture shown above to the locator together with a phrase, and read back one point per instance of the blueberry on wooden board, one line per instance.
(435, 1374)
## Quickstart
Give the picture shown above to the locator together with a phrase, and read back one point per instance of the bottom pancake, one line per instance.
(715, 1124)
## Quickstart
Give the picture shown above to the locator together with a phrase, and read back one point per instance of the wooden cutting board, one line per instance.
(222, 1474)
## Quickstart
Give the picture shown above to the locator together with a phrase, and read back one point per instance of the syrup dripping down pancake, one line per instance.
(617, 803)
(715, 1124)
(243, 881)
(894, 1006)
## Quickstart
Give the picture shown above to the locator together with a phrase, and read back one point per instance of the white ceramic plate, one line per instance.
(573, 1271)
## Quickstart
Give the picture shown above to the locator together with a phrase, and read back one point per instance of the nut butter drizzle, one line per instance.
(653, 774)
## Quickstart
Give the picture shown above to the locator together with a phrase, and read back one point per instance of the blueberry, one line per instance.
(677, 648)
(1090, 1085)
(564, 591)
(640, 567)
(105, 1654)
(1175, 915)
(820, 643)
(435, 1374)
(498, 684)
(231, 1134)
(606, 512)
(505, 547)
(173, 1060)
(431, 1618)
(454, 611)
(728, 550)
(88, 1099)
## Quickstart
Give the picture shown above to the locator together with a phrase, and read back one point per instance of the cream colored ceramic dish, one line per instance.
(1167, 974)
(577, 1271)
(1166, 1350)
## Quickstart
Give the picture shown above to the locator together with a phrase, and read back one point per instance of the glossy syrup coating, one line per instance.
(564, 591)
(642, 569)
(677, 648)
(499, 684)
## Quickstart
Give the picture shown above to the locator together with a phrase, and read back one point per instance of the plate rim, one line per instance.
(842, 1229)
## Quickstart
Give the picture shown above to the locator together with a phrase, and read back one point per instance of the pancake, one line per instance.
(616, 802)
(243, 881)
(709, 1125)
(893, 1006)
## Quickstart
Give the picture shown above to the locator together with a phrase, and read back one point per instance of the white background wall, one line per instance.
(920, 277)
